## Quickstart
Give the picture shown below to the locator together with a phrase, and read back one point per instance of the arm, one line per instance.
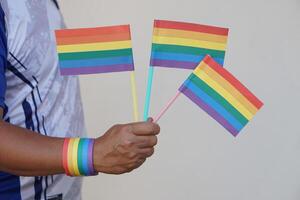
(121, 149)
(23, 152)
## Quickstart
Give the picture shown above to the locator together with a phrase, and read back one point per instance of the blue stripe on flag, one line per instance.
(215, 105)
(181, 57)
(96, 62)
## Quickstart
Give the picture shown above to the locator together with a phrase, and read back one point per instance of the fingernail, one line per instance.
(150, 119)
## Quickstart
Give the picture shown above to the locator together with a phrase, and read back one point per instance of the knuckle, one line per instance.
(154, 128)
(157, 128)
(124, 128)
(140, 162)
(154, 140)
(128, 143)
(131, 167)
(116, 126)
(120, 149)
(151, 152)
(116, 129)
(131, 155)
(119, 170)
(126, 169)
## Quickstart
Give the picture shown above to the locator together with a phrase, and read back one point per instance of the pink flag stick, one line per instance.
(162, 112)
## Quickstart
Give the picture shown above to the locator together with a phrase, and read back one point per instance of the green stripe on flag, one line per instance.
(94, 54)
(218, 98)
(187, 50)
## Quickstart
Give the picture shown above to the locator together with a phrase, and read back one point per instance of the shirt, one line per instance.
(34, 95)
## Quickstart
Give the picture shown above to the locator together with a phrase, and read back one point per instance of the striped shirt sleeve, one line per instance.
(3, 57)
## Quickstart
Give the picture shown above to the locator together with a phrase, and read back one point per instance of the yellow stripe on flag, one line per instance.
(189, 42)
(227, 86)
(164, 32)
(94, 46)
(219, 89)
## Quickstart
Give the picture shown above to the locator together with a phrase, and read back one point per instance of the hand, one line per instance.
(124, 148)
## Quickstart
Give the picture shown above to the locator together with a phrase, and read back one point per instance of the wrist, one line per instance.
(98, 155)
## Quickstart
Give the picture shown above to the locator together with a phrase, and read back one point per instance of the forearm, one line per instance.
(121, 149)
(26, 153)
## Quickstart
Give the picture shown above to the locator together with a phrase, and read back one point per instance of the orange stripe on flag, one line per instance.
(93, 39)
(236, 83)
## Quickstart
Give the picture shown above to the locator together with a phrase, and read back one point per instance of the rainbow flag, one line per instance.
(221, 95)
(94, 50)
(184, 45)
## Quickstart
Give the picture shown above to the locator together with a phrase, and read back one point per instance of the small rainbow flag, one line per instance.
(94, 50)
(184, 45)
(221, 95)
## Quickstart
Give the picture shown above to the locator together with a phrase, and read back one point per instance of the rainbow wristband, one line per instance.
(77, 157)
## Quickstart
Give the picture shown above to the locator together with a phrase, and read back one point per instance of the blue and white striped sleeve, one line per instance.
(3, 57)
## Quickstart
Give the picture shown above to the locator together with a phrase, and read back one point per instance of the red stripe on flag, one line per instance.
(233, 81)
(92, 31)
(190, 27)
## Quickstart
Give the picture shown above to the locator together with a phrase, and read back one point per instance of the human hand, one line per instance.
(125, 147)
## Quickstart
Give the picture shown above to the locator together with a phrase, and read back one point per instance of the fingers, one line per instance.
(147, 152)
(146, 141)
(140, 162)
(144, 128)
(143, 155)
(125, 147)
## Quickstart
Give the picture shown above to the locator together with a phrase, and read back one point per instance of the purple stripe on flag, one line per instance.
(96, 70)
(209, 110)
(173, 64)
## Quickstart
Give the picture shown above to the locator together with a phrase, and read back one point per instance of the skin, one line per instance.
(121, 149)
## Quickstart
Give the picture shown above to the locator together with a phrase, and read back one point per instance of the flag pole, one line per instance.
(164, 110)
(148, 92)
(134, 96)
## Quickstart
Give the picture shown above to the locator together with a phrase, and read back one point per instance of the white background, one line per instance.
(196, 158)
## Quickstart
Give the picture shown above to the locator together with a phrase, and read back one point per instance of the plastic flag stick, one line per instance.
(134, 96)
(162, 112)
(148, 93)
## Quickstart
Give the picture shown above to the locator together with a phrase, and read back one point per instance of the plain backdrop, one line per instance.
(196, 158)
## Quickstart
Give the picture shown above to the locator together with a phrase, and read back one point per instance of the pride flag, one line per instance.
(184, 45)
(221, 95)
(94, 50)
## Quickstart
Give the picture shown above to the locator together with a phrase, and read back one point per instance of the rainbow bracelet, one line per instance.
(77, 157)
